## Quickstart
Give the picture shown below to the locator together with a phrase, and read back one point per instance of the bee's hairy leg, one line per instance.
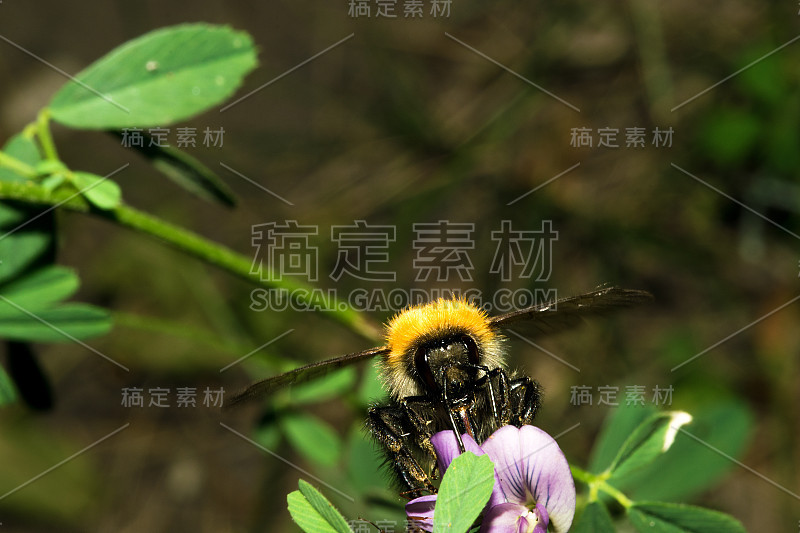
(526, 398)
(420, 413)
(393, 427)
(500, 392)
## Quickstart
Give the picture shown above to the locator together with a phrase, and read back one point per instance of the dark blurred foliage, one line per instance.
(402, 124)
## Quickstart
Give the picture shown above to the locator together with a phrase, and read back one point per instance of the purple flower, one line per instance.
(534, 475)
(533, 484)
(517, 518)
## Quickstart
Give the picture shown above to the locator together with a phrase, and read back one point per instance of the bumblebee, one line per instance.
(443, 365)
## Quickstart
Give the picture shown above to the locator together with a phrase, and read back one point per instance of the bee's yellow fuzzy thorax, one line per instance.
(436, 319)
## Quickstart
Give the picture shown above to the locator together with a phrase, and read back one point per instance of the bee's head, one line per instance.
(439, 343)
(446, 365)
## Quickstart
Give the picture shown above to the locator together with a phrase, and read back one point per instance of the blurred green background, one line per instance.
(402, 124)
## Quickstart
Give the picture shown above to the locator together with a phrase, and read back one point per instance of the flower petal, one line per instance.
(528, 462)
(447, 449)
(446, 446)
(543, 519)
(503, 448)
(514, 518)
(549, 476)
(420, 512)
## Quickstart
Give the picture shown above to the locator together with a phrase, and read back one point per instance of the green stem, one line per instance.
(582, 475)
(45, 137)
(615, 493)
(182, 331)
(197, 246)
(23, 169)
(596, 483)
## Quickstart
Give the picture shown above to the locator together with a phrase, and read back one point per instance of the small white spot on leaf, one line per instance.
(677, 419)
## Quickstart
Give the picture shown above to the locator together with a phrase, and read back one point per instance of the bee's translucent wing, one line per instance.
(300, 375)
(566, 313)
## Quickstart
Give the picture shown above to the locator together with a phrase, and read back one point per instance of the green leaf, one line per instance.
(617, 427)
(53, 181)
(323, 506)
(763, 80)
(323, 389)
(305, 516)
(157, 79)
(780, 140)
(27, 312)
(658, 517)
(364, 463)
(691, 467)
(49, 166)
(465, 489)
(8, 394)
(186, 171)
(313, 438)
(24, 149)
(371, 390)
(314, 513)
(652, 438)
(729, 135)
(59, 324)
(30, 448)
(24, 242)
(268, 435)
(593, 519)
(100, 191)
(41, 288)
(26, 232)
